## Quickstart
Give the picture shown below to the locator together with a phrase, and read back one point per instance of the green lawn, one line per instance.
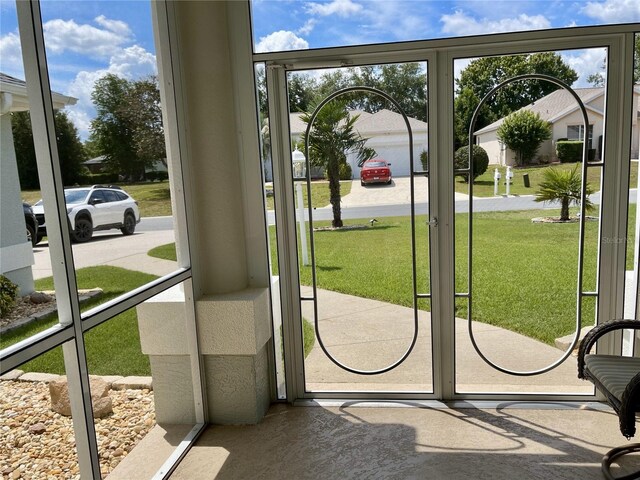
(154, 199)
(483, 186)
(319, 193)
(113, 348)
(524, 274)
(165, 252)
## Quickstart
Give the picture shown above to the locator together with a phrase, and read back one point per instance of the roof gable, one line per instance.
(556, 105)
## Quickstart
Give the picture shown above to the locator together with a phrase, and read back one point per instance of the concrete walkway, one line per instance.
(369, 334)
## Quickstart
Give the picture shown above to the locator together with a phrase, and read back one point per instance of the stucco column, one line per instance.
(16, 253)
(228, 254)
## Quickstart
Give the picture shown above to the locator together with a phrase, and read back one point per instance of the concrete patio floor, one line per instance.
(364, 441)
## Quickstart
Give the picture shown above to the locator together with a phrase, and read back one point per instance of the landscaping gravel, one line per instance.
(37, 443)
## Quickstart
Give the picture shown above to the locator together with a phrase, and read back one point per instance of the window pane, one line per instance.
(525, 228)
(112, 140)
(279, 26)
(24, 252)
(143, 354)
(38, 439)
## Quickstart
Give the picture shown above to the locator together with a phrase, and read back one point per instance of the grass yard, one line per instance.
(113, 348)
(524, 274)
(154, 198)
(319, 193)
(483, 186)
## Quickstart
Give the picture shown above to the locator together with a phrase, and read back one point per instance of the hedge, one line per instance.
(569, 151)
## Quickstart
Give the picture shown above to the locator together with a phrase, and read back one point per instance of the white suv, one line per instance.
(94, 208)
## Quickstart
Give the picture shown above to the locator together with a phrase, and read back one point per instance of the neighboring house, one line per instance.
(387, 134)
(16, 253)
(96, 165)
(561, 109)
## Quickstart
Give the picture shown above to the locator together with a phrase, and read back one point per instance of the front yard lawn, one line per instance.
(483, 186)
(113, 348)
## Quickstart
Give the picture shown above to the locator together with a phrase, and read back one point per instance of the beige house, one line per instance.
(561, 109)
(387, 134)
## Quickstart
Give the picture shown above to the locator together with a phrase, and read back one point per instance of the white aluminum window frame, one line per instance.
(73, 324)
(440, 55)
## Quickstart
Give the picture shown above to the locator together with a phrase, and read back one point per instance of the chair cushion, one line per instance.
(613, 371)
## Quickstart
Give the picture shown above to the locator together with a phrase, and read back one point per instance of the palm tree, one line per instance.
(563, 186)
(331, 137)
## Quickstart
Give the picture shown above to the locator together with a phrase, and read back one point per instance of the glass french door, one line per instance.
(434, 287)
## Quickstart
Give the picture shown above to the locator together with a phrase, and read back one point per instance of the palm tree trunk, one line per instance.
(564, 209)
(333, 172)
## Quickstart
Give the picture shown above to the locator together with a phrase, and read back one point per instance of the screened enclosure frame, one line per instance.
(440, 55)
(73, 324)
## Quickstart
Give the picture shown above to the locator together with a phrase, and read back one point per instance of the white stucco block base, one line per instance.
(15, 264)
(233, 332)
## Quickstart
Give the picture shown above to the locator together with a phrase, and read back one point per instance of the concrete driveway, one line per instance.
(397, 193)
(112, 248)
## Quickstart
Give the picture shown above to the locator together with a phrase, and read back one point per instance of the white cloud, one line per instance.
(66, 35)
(585, 63)
(116, 26)
(342, 8)
(613, 11)
(132, 63)
(11, 55)
(307, 28)
(281, 40)
(460, 24)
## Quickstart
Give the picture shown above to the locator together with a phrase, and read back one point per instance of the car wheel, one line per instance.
(361, 183)
(83, 231)
(31, 235)
(389, 182)
(129, 224)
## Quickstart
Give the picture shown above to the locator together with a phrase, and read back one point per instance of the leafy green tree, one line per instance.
(523, 132)
(146, 116)
(332, 136)
(127, 129)
(70, 150)
(25, 151)
(112, 129)
(301, 92)
(480, 161)
(563, 186)
(406, 83)
(483, 74)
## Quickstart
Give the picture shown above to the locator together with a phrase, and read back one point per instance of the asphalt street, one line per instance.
(112, 248)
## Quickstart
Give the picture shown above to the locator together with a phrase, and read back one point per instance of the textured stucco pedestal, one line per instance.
(233, 332)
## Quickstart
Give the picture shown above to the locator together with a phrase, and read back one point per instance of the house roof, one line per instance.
(382, 122)
(19, 99)
(558, 104)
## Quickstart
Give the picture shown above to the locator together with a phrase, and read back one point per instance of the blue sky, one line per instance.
(87, 39)
(286, 25)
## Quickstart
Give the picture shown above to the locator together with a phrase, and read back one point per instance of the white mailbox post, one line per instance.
(299, 176)
(496, 182)
(509, 177)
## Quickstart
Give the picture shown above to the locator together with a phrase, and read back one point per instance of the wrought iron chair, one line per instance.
(618, 378)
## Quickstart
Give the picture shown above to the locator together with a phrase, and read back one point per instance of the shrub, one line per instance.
(100, 178)
(480, 161)
(345, 171)
(424, 160)
(569, 151)
(523, 132)
(8, 292)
